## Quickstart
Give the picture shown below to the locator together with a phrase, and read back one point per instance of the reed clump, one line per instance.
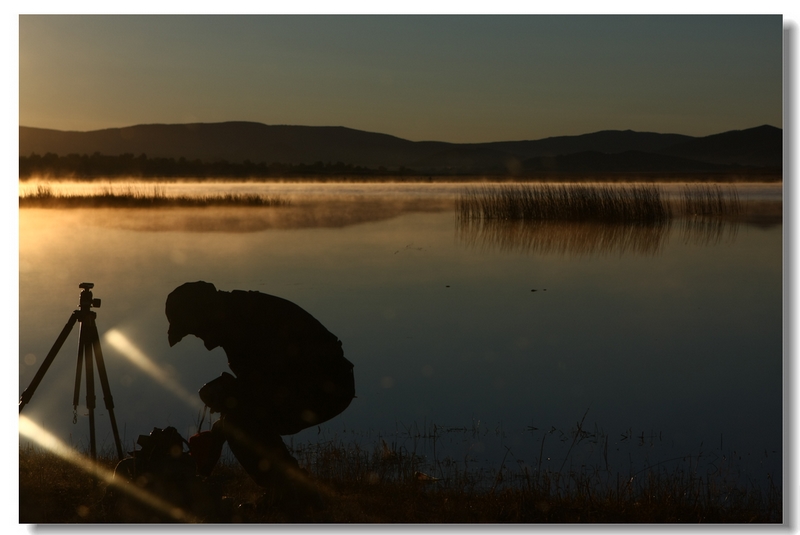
(573, 202)
(639, 204)
(710, 200)
(130, 197)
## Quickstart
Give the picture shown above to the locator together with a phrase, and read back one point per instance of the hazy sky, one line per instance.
(448, 78)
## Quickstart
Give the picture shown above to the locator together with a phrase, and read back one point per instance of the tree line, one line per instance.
(127, 165)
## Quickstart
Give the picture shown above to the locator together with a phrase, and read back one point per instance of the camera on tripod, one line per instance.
(89, 353)
(86, 296)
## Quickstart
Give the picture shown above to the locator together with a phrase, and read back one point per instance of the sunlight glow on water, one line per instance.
(323, 190)
(683, 342)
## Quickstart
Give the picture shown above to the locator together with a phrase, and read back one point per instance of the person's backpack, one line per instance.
(161, 460)
(162, 468)
(162, 453)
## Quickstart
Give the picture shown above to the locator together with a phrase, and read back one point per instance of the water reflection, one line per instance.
(309, 214)
(649, 339)
(708, 230)
(603, 219)
(576, 238)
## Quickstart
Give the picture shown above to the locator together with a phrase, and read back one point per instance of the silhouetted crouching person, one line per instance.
(291, 374)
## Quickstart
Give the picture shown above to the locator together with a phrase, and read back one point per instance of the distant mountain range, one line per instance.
(609, 151)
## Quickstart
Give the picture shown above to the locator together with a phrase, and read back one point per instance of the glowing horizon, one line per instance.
(444, 78)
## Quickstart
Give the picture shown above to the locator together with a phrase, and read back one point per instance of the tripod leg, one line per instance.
(90, 398)
(101, 371)
(76, 396)
(48, 360)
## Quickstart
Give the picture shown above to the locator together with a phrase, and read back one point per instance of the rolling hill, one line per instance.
(605, 151)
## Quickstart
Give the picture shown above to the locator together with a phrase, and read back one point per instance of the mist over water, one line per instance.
(505, 330)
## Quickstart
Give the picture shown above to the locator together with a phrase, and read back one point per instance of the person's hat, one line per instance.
(184, 304)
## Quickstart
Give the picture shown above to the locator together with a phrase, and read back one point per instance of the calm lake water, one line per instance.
(501, 335)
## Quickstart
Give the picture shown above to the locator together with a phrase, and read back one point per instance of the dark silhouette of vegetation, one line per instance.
(128, 166)
(572, 167)
(575, 202)
(382, 482)
(129, 197)
(710, 201)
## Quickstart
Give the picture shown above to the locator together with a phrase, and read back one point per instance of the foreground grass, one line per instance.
(130, 197)
(383, 485)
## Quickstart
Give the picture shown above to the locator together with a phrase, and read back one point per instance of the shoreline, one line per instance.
(755, 177)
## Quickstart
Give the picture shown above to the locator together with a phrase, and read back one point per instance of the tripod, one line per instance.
(88, 341)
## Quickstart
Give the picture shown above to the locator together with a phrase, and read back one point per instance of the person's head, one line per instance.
(191, 310)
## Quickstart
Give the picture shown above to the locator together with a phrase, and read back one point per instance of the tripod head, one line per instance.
(86, 296)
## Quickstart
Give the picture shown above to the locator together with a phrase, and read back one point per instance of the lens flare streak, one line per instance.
(33, 431)
(124, 346)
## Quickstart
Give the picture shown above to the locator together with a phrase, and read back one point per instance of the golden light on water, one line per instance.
(126, 348)
(33, 431)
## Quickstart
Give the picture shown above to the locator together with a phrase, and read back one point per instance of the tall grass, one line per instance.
(710, 200)
(581, 484)
(571, 476)
(589, 219)
(153, 197)
(564, 203)
(604, 203)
